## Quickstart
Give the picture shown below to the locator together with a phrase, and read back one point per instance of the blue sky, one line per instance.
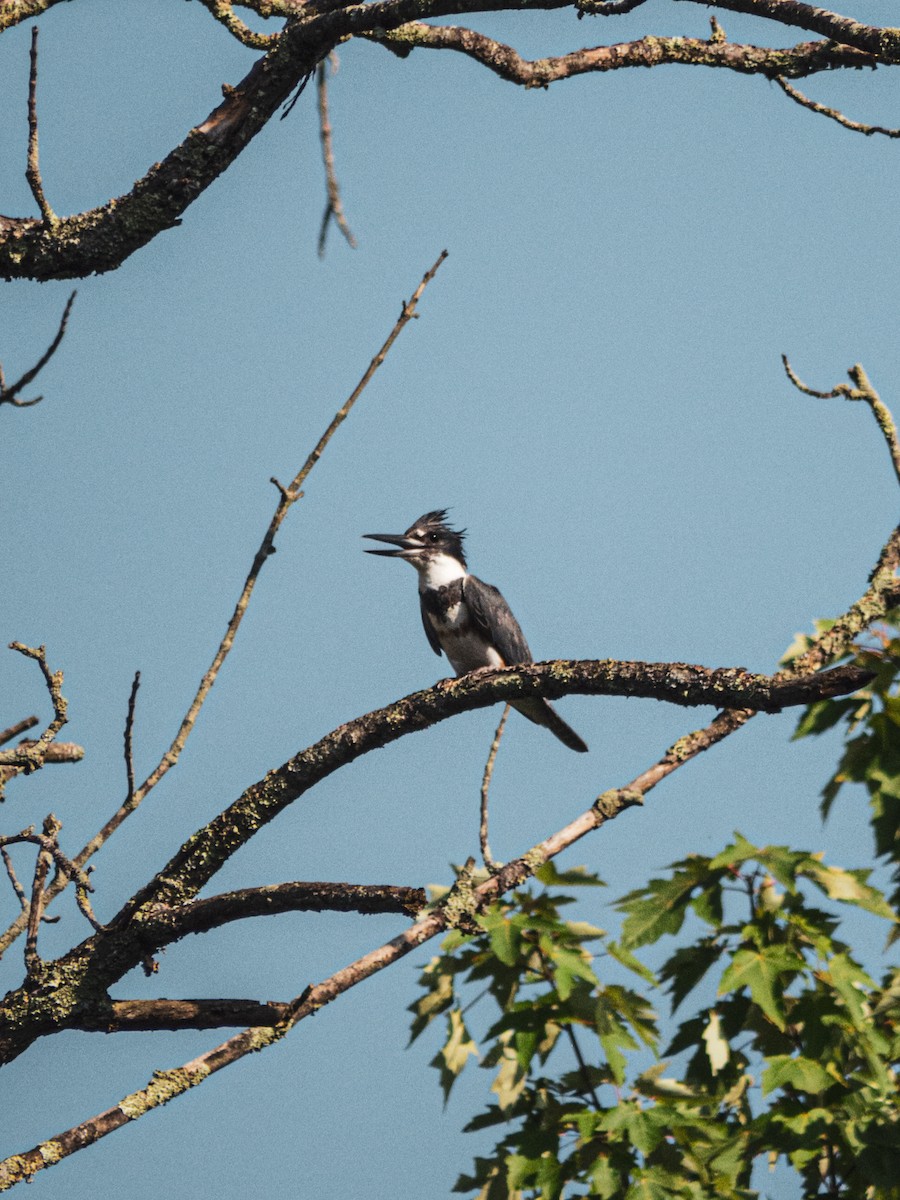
(594, 387)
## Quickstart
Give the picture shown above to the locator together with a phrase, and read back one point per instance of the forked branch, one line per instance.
(10, 394)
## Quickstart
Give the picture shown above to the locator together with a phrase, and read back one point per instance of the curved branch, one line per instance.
(9, 395)
(883, 42)
(204, 854)
(795, 61)
(140, 1016)
(833, 114)
(167, 925)
(102, 238)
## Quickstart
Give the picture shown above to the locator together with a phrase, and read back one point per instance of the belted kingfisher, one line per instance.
(467, 619)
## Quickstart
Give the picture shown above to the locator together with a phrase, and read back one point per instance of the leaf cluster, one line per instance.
(791, 1053)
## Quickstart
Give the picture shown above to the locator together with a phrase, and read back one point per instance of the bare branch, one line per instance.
(489, 861)
(129, 729)
(30, 755)
(13, 879)
(165, 925)
(834, 113)
(503, 60)
(883, 43)
(8, 395)
(33, 170)
(288, 496)
(137, 1016)
(36, 907)
(224, 13)
(13, 731)
(862, 389)
(205, 853)
(102, 238)
(334, 207)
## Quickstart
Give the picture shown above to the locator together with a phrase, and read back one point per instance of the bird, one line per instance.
(465, 618)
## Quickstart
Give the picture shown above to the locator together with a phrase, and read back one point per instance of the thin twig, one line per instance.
(224, 13)
(129, 728)
(334, 206)
(489, 861)
(166, 1085)
(9, 395)
(36, 907)
(287, 497)
(30, 756)
(13, 731)
(13, 879)
(862, 389)
(833, 113)
(33, 170)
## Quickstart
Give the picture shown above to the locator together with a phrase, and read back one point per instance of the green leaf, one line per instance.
(510, 1080)
(761, 972)
(684, 969)
(504, 937)
(436, 1000)
(573, 877)
(803, 1074)
(851, 887)
(455, 1052)
(631, 961)
(823, 715)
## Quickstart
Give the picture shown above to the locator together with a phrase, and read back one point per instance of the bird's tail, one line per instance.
(542, 713)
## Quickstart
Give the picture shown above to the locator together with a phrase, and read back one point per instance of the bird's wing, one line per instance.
(429, 632)
(492, 618)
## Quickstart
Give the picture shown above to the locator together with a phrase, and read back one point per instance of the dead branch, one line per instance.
(36, 907)
(140, 1016)
(833, 113)
(334, 206)
(33, 169)
(288, 497)
(7, 735)
(803, 59)
(488, 859)
(862, 389)
(165, 925)
(30, 755)
(9, 395)
(167, 1085)
(102, 238)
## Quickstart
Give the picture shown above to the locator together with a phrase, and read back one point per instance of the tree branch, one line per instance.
(139, 1016)
(334, 207)
(833, 113)
(288, 497)
(881, 42)
(795, 61)
(9, 395)
(862, 389)
(169, 1084)
(166, 925)
(102, 238)
(33, 169)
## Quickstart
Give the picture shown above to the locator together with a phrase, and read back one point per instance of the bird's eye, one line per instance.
(433, 537)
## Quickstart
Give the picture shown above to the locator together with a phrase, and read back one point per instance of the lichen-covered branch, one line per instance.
(884, 43)
(862, 389)
(166, 925)
(796, 61)
(102, 238)
(288, 497)
(205, 853)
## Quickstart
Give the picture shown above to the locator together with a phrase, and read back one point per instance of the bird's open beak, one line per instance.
(406, 546)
